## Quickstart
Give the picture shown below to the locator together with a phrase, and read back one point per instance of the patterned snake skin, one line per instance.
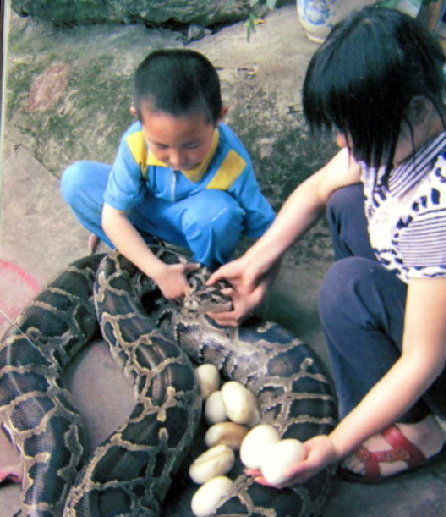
(157, 344)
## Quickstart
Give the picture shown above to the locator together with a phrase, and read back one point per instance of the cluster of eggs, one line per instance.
(231, 411)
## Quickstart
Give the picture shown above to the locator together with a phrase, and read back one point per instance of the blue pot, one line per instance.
(318, 16)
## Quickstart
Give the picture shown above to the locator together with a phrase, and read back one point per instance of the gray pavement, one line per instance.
(41, 236)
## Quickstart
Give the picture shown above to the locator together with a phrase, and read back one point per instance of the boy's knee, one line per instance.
(74, 178)
(216, 209)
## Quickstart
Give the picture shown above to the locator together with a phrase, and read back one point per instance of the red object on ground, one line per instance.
(17, 289)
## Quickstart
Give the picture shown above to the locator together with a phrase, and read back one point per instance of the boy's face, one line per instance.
(181, 142)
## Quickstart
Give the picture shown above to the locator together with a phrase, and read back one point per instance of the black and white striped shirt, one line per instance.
(407, 217)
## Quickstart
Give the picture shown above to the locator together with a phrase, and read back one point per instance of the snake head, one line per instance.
(204, 298)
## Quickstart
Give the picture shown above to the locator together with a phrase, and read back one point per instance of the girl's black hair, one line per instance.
(178, 82)
(361, 80)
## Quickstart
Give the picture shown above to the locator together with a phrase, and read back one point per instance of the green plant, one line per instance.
(253, 17)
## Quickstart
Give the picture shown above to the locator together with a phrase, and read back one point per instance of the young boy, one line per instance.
(180, 174)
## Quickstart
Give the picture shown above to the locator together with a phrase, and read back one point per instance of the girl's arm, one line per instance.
(251, 274)
(170, 279)
(422, 360)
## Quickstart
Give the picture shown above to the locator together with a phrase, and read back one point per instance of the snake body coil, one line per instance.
(35, 408)
(157, 344)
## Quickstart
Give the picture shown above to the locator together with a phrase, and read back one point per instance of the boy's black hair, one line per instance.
(361, 80)
(178, 82)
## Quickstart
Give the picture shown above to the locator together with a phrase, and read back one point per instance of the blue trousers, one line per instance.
(208, 223)
(362, 311)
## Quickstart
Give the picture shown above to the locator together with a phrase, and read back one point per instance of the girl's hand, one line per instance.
(172, 280)
(243, 303)
(319, 453)
(237, 273)
(249, 287)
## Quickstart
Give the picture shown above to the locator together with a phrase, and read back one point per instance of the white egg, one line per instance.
(279, 458)
(240, 403)
(256, 443)
(208, 378)
(215, 409)
(209, 496)
(213, 462)
(225, 433)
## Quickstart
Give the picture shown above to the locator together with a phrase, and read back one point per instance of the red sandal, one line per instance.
(402, 450)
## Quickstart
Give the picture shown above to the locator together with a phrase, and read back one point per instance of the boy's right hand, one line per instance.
(172, 279)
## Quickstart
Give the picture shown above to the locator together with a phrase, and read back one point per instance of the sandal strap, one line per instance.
(370, 461)
(402, 450)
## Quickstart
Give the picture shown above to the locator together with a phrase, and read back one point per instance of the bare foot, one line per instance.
(426, 435)
(93, 242)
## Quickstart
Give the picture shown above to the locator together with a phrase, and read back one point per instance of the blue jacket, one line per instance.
(227, 167)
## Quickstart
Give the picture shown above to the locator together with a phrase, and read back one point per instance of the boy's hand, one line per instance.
(172, 280)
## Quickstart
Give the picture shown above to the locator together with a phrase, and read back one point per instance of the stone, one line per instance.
(150, 12)
(47, 87)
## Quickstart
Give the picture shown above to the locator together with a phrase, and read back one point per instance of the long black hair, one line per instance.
(178, 82)
(361, 80)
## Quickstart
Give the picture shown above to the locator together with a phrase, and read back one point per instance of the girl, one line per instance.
(378, 82)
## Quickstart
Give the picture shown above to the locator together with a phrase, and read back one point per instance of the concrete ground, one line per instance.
(40, 237)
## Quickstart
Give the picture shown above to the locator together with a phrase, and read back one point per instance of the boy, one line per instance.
(180, 174)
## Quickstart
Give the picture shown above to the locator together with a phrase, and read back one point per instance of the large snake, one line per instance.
(157, 343)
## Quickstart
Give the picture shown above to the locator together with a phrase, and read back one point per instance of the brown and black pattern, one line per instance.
(157, 344)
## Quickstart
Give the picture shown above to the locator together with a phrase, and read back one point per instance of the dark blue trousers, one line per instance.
(362, 311)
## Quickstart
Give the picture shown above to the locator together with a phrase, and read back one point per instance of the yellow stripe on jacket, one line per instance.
(138, 148)
(230, 169)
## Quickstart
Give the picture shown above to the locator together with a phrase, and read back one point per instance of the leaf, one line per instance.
(250, 25)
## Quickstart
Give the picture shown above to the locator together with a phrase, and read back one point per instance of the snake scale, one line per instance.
(138, 470)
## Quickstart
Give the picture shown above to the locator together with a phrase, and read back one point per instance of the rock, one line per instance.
(150, 12)
(196, 32)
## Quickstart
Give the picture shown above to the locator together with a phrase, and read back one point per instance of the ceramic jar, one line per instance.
(318, 16)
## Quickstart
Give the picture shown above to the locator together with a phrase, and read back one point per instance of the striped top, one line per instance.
(407, 217)
(137, 174)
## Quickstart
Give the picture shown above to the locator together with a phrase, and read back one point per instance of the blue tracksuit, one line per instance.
(205, 209)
